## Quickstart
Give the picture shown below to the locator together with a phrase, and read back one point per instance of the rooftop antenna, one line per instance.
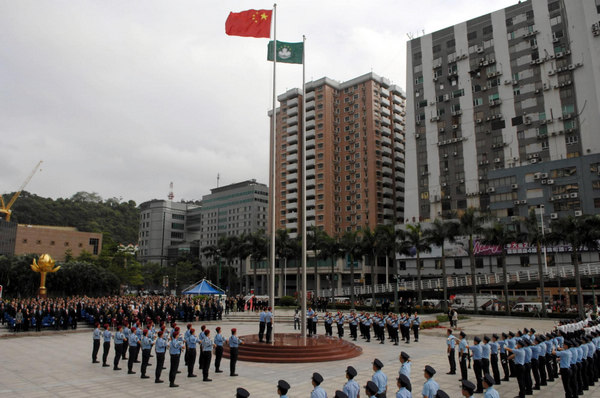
(218, 177)
(171, 196)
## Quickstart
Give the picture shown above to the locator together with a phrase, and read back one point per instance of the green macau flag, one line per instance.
(290, 53)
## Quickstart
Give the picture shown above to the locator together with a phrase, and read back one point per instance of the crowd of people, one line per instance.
(63, 313)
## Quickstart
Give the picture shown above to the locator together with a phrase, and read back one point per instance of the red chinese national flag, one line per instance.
(250, 23)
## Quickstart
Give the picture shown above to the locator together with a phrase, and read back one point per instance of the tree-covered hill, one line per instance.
(86, 211)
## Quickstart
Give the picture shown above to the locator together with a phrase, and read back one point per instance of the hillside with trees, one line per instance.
(88, 212)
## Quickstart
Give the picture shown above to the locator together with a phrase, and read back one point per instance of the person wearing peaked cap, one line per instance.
(404, 387)
(405, 364)
(494, 351)
(269, 324)
(468, 388)
(441, 394)
(430, 387)
(477, 350)
(371, 389)
(518, 355)
(504, 355)
(463, 355)
(340, 394)
(318, 391)
(486, 351)
(96, 335)
(351, 388)
(451, 351)
(488, 384)
(107, 337)
(234, 344)
(282, 388)
(379, 378)
(241, 393)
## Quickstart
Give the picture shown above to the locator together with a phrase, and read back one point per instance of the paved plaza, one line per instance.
(59, 364)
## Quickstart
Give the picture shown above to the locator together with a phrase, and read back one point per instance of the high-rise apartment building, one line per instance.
(504, 113)
(354, 155)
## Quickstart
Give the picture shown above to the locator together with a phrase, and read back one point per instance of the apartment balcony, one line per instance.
(398, 118)
(310, 213)
(399, 156)
(388, 212)
(310, 135)
(386, 141)
(310, 223)
(310, 174)
(292, 196)
(310, 105)
(310, 194)
(385, 102)
(310, 164)
(388, 202)
(310, 124)
(292, 111)
(399, 185)
(398, 108)
(310, 202)
(292, 139)
(292, 177)
(387, 181)
(292, 206)
(292, 148)
(397, 99)
(386, 121)
(386, 150)
(293, 102)
(291, 226)
(398, 146)
(384, 92)
(292, 158)
(310, 115)
(310, 96)
(292, 168)
(386, 161)
(310, 154)
(292, 120)
(398, 127)
(291, 216)
(292, 187)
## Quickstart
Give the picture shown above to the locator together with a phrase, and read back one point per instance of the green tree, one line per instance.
(436, 235)
(350, 245)
(578, 232)
(259, 247)
(534, 236)
(286, 249)
(501, 235)
(415, 237)
(470, 224)
(314, 239)
(368, 243)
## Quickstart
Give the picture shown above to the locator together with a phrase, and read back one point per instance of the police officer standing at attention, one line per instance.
(133, 343)
(494, 346)
(371, 389)
(261, 325)
(340, 394)
(318, 391)
(416, 323)
(430, 387)
(463, 354)
(219, 340)
(488, 384)
(207, 346)
(406, 364)
(282, 388)
(269, 323)
(119, 337)
(96, 340)
(107, 336)
(351, 388)
(146, 350)
(468, 388)
(160, 348)
(379, 378)
(477, 367)
(404, 386)
(190, 354)
(451, 345)
(234, 343)
(175, 347)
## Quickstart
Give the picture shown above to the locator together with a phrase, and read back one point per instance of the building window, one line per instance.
(524, 261)
(478, 263)
(458, 263)
(402, 265)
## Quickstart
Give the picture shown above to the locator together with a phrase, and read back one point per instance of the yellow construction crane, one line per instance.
(5, 209)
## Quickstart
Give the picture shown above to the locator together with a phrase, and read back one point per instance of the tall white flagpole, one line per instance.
(273, 164)
(303, 303)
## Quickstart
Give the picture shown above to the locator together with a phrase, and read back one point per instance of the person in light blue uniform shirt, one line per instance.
(119, 339)
(405, 364)
(451, 351)
(234, 343)
(96, 335)
(206, 347)
(133, 344)
(518, 355)
(175, 347)
(160, 347)
(146, 345)
(269, 324)
(566, 375)
(486, 351)
(488, 384)
(404, 387)
(371, 389)
(430, 387)
(379, 378)
(415, 322)
(261, 325)
(106, 337)
(351, 388)
(191, 342)
(219, 340)
(318, 391)
(477, 350)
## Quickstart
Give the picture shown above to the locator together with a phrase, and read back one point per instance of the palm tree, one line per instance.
(286, 248)
(242, 251)
(501, 235)
(258, 249)
(414, 236)
(470, 225)
(314, 242)
(436, 235)
(535, 236)
(578, 232)
(330, 249)
(350, 245)
(368, 243)
(214, 253)
(390, 242)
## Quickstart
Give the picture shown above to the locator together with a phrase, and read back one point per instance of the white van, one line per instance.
(530, 307)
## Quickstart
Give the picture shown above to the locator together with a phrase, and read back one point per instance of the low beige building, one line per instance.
(56, 241)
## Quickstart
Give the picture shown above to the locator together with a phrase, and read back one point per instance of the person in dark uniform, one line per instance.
(450, 350)
(96, 335)
(282, 388)
(146, 345)
(234, 343)
(219, 340)
(564, 356)
(261, 325)
(126, 332)
(160, 348)
(504, 356)
(175, 348)
(477, 363)
(416, 324)
(241, 393)
(494, 349)
(119, 339)
(133, 343)
(269, 323)
(106, 336)
(468, 388)
(371, 389)
(463, 354)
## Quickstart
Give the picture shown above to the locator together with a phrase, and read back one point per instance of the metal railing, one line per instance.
(587, 269)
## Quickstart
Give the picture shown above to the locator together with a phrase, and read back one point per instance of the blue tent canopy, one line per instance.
(204, 287)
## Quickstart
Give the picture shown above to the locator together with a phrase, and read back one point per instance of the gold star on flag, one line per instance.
(263, 16)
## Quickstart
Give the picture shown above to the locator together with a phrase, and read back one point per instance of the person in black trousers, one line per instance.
(175, 348)
(207, 347)
(160, 348)
(234, 343)
(133, 343)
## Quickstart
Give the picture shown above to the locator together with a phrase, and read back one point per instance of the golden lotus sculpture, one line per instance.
(43, 265)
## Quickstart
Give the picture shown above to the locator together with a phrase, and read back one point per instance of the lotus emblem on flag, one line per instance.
(284, 53)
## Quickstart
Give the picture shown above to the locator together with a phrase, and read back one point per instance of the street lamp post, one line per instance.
(544, 238)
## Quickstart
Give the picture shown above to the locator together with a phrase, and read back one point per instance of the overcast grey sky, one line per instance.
(123, 97)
